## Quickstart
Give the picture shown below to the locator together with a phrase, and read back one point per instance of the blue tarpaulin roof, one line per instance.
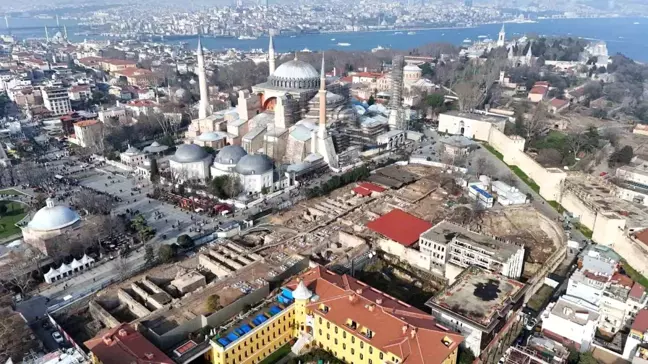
(223, 341)
(482, 192)
(232, 336)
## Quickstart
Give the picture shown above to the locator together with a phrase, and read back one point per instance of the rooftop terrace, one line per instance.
(478, 296)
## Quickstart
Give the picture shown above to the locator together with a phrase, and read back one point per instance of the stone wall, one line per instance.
(137, 308)
(100, 314)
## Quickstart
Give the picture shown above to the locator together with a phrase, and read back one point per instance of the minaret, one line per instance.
(57, 21)
(203, 110)
(529, 55)
(501, 39)
(7, 21)
(65, 32)
(322, 102)
(46, 35)
(271, 57)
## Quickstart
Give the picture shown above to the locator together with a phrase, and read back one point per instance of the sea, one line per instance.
(622, 35)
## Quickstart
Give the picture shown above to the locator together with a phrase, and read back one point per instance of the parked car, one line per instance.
(57, 337)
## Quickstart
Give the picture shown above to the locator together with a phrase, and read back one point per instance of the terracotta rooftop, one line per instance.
(398, 328)
(400, 226)
(558, 103)
(135, 72)
(642, 236)
(641, 321)
(538, 90)
(125, 345)
(622, 279)
(637, 291)
(85, 123)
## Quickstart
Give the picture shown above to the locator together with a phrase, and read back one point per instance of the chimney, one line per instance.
(122, 333)
(358, 291)
(379, 301)
(413, 333)
(352, 298)
(404, 329)
(149, 356)
(372, 307)
(107, 340)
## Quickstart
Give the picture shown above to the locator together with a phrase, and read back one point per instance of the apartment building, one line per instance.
(88, 133)
(572, 322)
(450, 243)
(56, 100)
(348, 318)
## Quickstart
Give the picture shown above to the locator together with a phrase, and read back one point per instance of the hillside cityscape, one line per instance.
(230, 183)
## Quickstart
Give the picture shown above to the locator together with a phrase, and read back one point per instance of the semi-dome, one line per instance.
(155, 147)
(53, 217)
(295, 74)
(254, 164)
(132, 151)
(211, 136)
(230, 154)
(412, 68)
(189, 153)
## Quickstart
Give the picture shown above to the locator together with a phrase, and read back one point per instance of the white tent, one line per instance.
(65, 270)
(52, 275)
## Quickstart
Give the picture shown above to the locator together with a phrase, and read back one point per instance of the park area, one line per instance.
(10, 213)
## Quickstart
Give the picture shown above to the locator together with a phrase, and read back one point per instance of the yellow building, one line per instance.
(342, 315)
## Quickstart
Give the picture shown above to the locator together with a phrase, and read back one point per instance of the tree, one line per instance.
(371, 100)
(165, 254)
(587, 358)
(149, 255)
(465, 356)
(3, 209)
(226, 186)
(621, 157)
(19, 275)
(482, 166)
(155, 171)
(213, 303)
(185, 241)
(93, 202)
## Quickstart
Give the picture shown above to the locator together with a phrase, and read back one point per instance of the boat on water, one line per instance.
(333, 39)
(636, 23)
(482, 36)
(411, 33)
(306, 50)
(247, 37)
(467, 40)
(395, 33)
(379, 48)
(293, 36)
(343, 44)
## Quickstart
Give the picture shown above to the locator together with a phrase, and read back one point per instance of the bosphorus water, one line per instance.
(623, 35)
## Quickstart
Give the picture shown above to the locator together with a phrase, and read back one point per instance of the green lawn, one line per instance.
(11, 191)
(277, 355)
(15, 213)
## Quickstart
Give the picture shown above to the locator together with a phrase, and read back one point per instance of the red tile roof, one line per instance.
(362, 191)
(637, 291)
(125, 345)
(642, 236)
(86, 123)
(622, 279)
(539, 90)
(400, 226)
(392, 321)
(641, 321)
(372, 187)
(558, 103)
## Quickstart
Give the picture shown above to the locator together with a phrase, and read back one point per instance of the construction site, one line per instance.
(174, 302)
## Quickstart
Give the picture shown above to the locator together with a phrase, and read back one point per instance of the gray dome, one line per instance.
(181, 94)
(254, 164)
(211, 136)
(189, 153)
(230, 154)
(295, 74)
(53, 217)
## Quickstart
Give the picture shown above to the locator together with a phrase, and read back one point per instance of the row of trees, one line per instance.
(336, 182)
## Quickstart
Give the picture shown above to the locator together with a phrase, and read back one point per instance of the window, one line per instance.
(344, 334)
(320, 320)
(352, 339)
(328, 337)
(361, 344)
(328, 325)
(370, 361)
(361, 356)
(320, 331)
(381, 356)
(335, 341)
(352, 351)
(344, 346)
(371, 350)
(336, 329)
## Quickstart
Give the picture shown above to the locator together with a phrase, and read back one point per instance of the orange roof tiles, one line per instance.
(135, 72)
(540, 90)
(622, 279)
(398, 328)
(400, 226)
(637, 291)
(558, 103)
(85, 123)
(123, 344)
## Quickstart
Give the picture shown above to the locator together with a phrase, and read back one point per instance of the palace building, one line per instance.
(339, 314)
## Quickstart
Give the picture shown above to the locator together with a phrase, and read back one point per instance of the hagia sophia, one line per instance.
(299, 119)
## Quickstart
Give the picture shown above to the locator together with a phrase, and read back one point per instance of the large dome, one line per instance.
(230, 154)
(254, 164)
(53, 217)
(295, 74)
(189, 153)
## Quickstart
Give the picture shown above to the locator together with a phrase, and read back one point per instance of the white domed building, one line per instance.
(226, 160)
(190, 162)
(256, 172)
(213, 139)
(133, 157)
(48, 223)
